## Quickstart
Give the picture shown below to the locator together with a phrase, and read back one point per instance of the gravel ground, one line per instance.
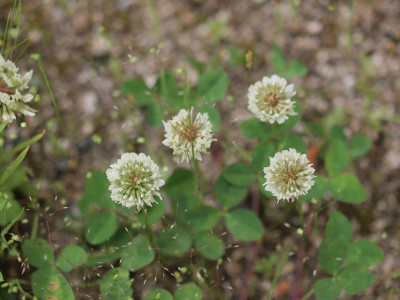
(350, 51)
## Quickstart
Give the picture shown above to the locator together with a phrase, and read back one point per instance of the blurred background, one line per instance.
(345, 57)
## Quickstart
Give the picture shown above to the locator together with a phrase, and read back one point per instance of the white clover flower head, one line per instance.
(289, 175)
(13, 97)
(188, 137)
(269, 99)
(135, 180)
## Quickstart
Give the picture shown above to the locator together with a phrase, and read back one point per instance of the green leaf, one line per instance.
(347, 188)
(255, 129)
(330, 256)
(180, 183)
(292, 141)
(158, 294)
(327, 289)
(338, 228)
(71, 257)
(260, 157)
(100, 227)
(236, 57)
(213, 85)
(316, 128)
(6, 229)
(137, 255)
(228, 195)
(19, 180)
(49, 283)
(154, 213)
(355, 278)
(167, 88)
(121, 237)
(97, 259)
(154, 114)
(244, 225)
(203, 218)
(96, 193)
(9, 208)
(174, 241)
(364, 252)
(2, 126)
(209, 245)
(336, 158)
(138, 91)
(13, 166)
(213, 115)
(359, 145)
(318, 190)
(295, 69)
(287, 70)
(337, 133)
(116, 285)
(293, 120)
(182, 205)
(239, 174)
(188, 291)
(278, 59)
(38, 252)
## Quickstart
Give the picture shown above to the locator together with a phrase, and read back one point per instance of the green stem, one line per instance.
(274, 132)
(149, 232)
(203, 179)
(199, 171)
(22, 291)
(35, 226)
(306, 296)
(300, 204)
(279, 267)
(195, 170)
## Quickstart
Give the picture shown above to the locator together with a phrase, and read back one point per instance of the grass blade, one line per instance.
(21, 146)
(39, 59)
(2, 126)
(13, 166)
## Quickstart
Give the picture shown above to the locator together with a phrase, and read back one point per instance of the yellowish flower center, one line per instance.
(272, 100)
(268, 100)
(134, 179)
(190, 133)
(291, 175)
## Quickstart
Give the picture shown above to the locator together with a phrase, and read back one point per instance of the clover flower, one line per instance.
(13, 97)
(289, 175)
(188, 137)
(135, 180)
(269, 99)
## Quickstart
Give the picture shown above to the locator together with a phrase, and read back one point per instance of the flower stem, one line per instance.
(149, 232)
(308, 295)
(21, 290)
(279, 266)
(35, 226)
(196, 171)
(300, 204)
